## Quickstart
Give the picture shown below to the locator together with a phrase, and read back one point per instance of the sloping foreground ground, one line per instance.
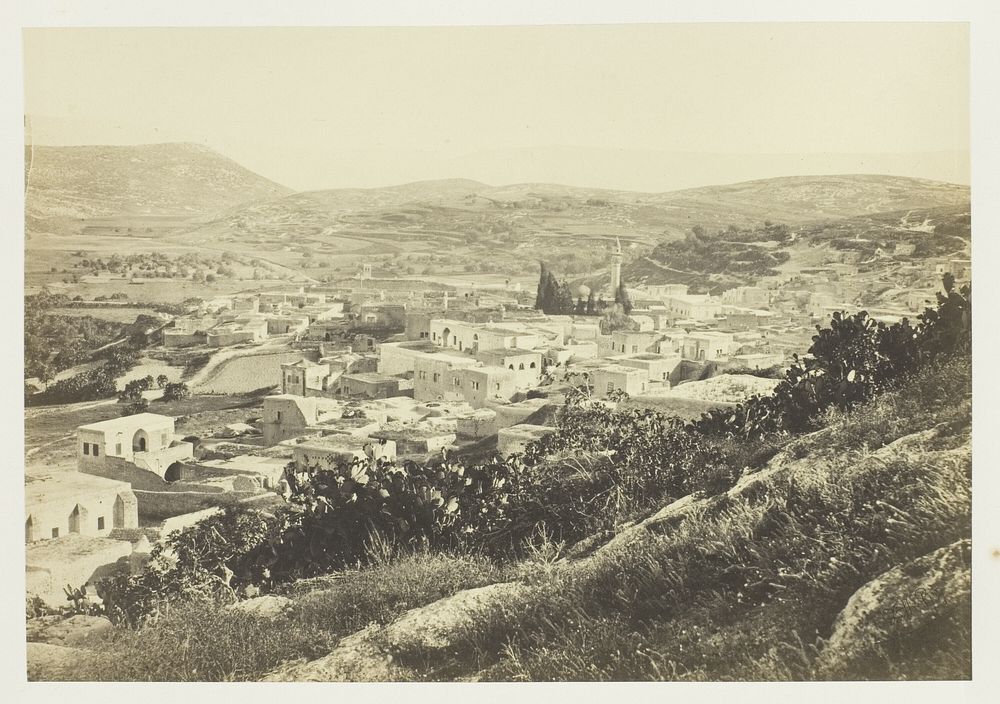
(846, 557)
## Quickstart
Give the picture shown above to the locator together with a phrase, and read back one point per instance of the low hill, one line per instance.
(799, 199)
(175, 179)
(550, 215)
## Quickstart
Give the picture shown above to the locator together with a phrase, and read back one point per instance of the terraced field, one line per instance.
(247, 373)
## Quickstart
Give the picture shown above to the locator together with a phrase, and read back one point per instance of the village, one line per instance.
(395, 369)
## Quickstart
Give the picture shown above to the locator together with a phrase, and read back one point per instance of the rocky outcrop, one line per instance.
(360, 657)
(55, 663)
(268, 606)
(902, 604)
(374, 654)
(369, 655)
(75, 631)
(435, 626)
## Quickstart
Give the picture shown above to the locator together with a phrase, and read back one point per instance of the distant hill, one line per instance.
(797, 199)
(556, 210)
(175, 179)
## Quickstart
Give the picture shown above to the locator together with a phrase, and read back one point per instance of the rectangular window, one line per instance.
(279, 415)
(100, 523)
(55, 532)
(437, 377)
(86, 448)
(118, 449)
(97, 450)
(635, 348)
(611, 386)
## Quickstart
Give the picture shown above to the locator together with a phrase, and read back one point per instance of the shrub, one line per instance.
(175, 391)
(850, 362)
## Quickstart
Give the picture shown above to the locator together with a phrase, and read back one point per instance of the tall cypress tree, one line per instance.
(542, 281)
(622, 298)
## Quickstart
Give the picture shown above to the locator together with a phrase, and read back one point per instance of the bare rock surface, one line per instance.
(367, 656)
(270, 606)
(74, 631)
(903, 601)
(435, 626)
(358, 658)
(54, 663)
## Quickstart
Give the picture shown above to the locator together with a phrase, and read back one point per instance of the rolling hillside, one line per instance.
(552, 210)
(145, 180)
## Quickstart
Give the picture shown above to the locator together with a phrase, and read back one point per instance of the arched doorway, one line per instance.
(174, 472)
(446, 332)
(77, 519)
(139, 441)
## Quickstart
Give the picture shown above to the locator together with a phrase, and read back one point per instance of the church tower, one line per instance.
(616, 266)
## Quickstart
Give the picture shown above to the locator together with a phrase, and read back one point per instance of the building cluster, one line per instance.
(403, 368)
(251, 318)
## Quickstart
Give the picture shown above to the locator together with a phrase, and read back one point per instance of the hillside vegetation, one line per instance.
(454, 207)
(817, 532)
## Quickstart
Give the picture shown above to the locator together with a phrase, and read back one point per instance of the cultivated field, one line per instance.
(246, 374)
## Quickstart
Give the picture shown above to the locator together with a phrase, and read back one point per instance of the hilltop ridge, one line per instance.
(168, 179)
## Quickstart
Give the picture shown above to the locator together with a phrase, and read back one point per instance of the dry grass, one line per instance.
(203, 642)
(746, 587)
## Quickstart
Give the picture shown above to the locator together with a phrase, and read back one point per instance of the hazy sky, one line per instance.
(646, 107)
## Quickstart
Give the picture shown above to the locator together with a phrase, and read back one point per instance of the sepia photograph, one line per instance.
(538, 352)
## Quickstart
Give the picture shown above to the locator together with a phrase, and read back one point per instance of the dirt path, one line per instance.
(676, 271)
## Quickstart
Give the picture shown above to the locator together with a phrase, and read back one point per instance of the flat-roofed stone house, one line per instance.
(71, 502)
(144, 440)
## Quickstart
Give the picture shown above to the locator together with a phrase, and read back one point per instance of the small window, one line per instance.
(97, 450)
(635, 348)
(118, 449)
(498, 387)
(100, 523)
(55, 532)
(437, 376)
(520, 367)
(279, 415)
(611, 386)
(86, 448)
(532, 365)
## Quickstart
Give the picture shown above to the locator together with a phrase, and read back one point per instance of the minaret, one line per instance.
(616, 266)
